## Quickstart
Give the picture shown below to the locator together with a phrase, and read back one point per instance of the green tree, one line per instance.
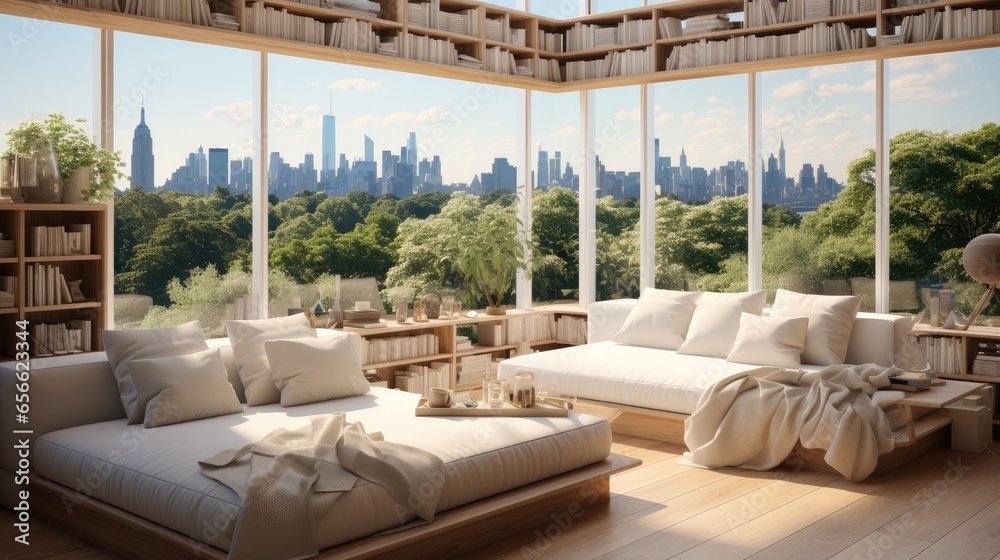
(137, 213)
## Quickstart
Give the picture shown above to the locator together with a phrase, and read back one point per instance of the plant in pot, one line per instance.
(88, 173)
(488, 251)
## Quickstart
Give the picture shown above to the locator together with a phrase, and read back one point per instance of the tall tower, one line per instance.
(218, 168)
(142, 154)
(369, 149)
(329, 153)
(411, 150)
(543, 168)
(684, 158)
(781, 159)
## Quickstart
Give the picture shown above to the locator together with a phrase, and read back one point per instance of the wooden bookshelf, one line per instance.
(18, 220)
(446, 331)
(969, 345)
(393, 17)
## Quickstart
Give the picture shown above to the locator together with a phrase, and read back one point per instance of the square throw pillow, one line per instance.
(177, 389)
(831, 319)
(124, 346)
(716, 321)
(770, 341)
(649, 294)
(659, 323)
(315, 369)
(248, 338)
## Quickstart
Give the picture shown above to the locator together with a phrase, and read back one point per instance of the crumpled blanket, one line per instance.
(754, 419)
(290, 479)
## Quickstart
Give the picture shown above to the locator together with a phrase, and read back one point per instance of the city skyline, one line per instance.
(951, 91)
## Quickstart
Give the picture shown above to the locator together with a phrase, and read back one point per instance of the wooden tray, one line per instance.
(536, 411)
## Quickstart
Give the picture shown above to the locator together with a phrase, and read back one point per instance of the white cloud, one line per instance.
(564, 131)
(713, 99)
(663, 118)
(827, 90)
(623, 116)
(827, 70)
(431, 116)
(868, 118)
(239, 111)
(791, 89)
(355, 85)
(844, 137)
(717, 132)
(916, 88)
(831, 117)
(732, 150)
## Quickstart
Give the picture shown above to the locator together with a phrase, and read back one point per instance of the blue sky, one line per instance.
(201, 95)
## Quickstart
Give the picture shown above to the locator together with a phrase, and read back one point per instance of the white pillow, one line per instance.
(315, 369)
(658, 323)
(650, 294)
(248, 338)
(716, 321)
(180, 388)
(770, 341)
(124, 346)
(831, 319)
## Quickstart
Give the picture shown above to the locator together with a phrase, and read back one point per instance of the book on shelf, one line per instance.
(46, 285)
(987, 359)
(84, 232)
(462, 343)
(106, 5)
(907, 387)
(911, 379)
(491, 334)
(390, 349)
(365, 324)
(195, 12)
(552, 42)
(571, 329)
(60, 338)
(6, 246)
(944, 353)
(8, 291)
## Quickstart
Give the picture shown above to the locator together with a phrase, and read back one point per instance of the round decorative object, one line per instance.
(982, 258)
(497, 310)
(432, 306)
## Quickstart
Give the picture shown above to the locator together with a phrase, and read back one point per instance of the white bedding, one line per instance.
(636, 376)
(153, 472)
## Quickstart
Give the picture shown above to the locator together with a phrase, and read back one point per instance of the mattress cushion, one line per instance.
(153, 472)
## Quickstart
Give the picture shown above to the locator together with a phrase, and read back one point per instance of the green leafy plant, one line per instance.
(74, 149)
(488, 251)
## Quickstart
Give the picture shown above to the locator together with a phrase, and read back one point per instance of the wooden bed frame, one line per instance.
(668, 427)
(452, 533)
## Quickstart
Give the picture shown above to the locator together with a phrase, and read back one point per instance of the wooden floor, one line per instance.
(944, 506)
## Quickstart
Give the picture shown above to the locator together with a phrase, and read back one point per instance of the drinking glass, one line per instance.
(402, 307)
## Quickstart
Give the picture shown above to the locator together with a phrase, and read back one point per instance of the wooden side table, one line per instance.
(936, 397)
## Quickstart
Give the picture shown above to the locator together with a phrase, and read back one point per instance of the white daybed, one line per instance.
(650, 392)
(139, 492)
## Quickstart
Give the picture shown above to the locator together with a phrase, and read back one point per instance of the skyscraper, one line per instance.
(781, 159)
(329, 154)
(543, 168)
(218, 167)
(369, 149)
(411, 150)
(142, 154)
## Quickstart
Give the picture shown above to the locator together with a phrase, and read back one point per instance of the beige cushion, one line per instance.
(658, 323)
(649, 294)
(770, 341)
(124, 346)
(716, 321)
(315, 369)
(248, 338)
(180, 388)
(830, 321)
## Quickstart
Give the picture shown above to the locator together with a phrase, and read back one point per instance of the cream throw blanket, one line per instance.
(754, 419)
(290, 479)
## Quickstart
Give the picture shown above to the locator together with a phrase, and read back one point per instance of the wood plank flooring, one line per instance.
(942, 506)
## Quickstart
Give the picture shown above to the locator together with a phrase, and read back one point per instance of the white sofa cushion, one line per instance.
(659, 323)
(716, 321)
(315, 369)
(123, 346)
(770, 341)
(651, 294)
(248, 338)
(177, 389)
(831, 319)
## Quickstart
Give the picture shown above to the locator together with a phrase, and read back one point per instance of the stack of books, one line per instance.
(59, 241)
(944, 353)
(498, 29)
(263, 20)
(571, 329)
(706, 24)
(549, 69)
(8, 290)
(108, 5)
(462, 343)
(60, 338)
(184, 11)
(987, 359)
(950, 24)
(225, 21)
(363, 7)
(379, 350)
(475, 369)
(552, 42)
(910, 381)
(6, 246)
(490, 334)
(46, 285)
(467, 61)
(367, 319)
(420, 379)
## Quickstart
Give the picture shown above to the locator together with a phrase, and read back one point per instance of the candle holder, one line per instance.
(523, 389)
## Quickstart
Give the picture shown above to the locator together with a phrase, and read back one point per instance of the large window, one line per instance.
(183, 122)
(618, 146)
(372, 174)
(943, 180)
(555, 142)
(701, 179)
(818, 192)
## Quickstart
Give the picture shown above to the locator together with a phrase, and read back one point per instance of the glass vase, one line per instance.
(47, 184)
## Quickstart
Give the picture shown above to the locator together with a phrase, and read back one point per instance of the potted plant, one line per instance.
(74, 151)
(488, 251)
